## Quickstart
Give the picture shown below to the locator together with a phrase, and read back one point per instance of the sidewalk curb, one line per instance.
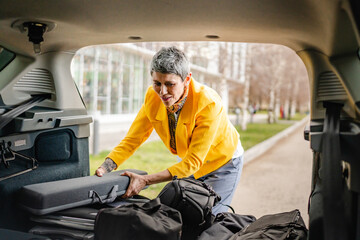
(261, 148)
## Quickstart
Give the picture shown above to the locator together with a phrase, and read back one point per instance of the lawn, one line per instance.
(298, 116)
(154, 157)
(258, 132)
(151, 157)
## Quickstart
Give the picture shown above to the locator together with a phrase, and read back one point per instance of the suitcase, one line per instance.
(82, 218)
(49, 197)
(62, 233)
(76, 223)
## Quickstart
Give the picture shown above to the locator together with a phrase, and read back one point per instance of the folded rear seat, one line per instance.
(49, 197)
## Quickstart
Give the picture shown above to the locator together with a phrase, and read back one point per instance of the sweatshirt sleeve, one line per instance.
(139, 131)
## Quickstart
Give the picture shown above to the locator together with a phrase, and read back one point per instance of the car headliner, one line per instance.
(299, 24)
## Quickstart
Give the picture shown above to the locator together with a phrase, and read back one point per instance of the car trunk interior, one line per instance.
(325, 35)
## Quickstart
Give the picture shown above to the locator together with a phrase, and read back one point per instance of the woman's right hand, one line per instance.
(107, 166)
(100, 172)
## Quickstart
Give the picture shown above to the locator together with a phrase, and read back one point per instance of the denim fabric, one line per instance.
(224, 182)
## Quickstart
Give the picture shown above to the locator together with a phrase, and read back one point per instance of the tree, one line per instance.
(277, 73)
(245, 65)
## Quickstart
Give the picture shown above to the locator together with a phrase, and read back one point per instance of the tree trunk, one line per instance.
(224, 93)
(292, 108)
(287, 109)
(223, 57)
(271, 106)
(293, 99)
(244, 76)
(277, 106)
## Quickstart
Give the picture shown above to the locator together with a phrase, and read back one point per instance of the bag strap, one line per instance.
(333, 202)
(23, 107)
(150, 206)
(110, 197)
(204, 185)
(231, 208)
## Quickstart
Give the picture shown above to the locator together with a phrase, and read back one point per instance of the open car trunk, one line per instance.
(51, 138)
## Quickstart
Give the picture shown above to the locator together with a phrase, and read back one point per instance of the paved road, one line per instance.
(278, 180)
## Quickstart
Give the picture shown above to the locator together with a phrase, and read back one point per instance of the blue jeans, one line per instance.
(224, 182)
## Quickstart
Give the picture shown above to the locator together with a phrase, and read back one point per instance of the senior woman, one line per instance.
(191, 121)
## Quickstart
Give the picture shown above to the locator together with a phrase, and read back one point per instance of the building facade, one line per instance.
(113, 79)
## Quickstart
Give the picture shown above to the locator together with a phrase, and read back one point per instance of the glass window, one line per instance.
(147, 77)
(5, 57)
(115, 82)
(125, 89)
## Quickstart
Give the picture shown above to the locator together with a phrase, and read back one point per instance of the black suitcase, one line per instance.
(76, 223)
(82, 218)
(49, 197)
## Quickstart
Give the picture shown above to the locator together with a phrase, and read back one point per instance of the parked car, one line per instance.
(39, 38)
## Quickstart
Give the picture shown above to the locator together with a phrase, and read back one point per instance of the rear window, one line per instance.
(5, 57)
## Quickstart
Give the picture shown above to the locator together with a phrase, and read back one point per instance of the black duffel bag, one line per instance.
(194, 199)
(151, 220)
(225, 225)
(281, 226)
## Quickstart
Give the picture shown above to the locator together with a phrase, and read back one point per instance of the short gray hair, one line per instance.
(170, 60)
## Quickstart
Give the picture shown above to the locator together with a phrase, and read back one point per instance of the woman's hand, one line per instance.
(107, 166)
(100, 172)
(137, 183)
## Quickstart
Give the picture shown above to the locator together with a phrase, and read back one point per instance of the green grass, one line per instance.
(153, 156)
(258, 132)
(262, 111)
(298, 116)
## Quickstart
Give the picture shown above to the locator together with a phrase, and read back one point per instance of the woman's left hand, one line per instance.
(137, 183)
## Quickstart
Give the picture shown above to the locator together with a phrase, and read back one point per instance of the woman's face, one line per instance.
(169, 87)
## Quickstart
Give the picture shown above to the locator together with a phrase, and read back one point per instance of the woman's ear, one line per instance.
(187, 80)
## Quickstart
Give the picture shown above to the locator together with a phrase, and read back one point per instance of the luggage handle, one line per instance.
(149, 206)
(109, 198)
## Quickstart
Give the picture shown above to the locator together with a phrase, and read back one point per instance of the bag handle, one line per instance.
(150, 206)
(110, 197)
(231, 208)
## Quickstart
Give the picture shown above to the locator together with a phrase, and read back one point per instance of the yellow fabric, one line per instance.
(205, 139)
